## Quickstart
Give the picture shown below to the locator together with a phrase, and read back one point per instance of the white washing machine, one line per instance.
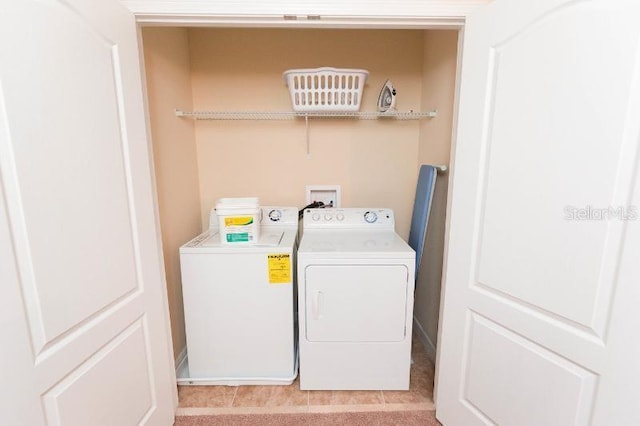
(239, 304)
(355, 301)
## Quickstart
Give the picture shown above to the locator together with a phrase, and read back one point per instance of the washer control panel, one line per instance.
(351, 218)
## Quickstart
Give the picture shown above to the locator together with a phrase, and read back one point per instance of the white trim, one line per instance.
(423, 337)
(156, 211)
(447, 224)
(288, 13)
(326, 22)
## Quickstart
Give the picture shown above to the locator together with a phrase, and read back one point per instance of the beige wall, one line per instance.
(440, 56)
(375, 162)
(440, 60)
(166, 56)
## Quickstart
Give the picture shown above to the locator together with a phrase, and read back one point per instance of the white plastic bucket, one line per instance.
(239, 220)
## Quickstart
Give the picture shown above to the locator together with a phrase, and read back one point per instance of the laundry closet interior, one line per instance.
(375, 162)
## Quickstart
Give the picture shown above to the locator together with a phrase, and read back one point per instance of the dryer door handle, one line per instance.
(318, 305)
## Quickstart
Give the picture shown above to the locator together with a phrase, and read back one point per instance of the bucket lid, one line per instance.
(238, 203)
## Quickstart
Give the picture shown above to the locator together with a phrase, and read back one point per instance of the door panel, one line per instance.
(77, 205)
(542, 206)
(558, 391)
(81, 227)
(356, 303)
(528, 202)
(122, 364)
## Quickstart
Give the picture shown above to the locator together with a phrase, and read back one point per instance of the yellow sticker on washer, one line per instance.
(279, 268)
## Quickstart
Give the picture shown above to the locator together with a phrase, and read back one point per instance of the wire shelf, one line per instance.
(291, 115)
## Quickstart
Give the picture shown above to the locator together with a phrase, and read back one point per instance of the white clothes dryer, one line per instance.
(239, 304)
(355, 301)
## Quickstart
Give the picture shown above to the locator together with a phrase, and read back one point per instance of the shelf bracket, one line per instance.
(306, 132)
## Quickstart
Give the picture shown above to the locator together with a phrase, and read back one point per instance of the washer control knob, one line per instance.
(370, 217)
(315, 216)
(340, 217)
(275, 215)
(328, 216)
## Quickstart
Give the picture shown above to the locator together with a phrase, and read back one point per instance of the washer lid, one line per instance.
(271, 238)
(209, 241)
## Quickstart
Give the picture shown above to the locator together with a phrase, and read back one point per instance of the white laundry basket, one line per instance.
(326, 89)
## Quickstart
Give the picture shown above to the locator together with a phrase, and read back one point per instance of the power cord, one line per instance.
(314, 205)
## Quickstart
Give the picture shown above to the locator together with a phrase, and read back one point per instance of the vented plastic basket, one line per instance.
(325, 89)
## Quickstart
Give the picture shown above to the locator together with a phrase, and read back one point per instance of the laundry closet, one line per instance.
(375, 162)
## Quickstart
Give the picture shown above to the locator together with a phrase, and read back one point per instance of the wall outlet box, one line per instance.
(330, 195)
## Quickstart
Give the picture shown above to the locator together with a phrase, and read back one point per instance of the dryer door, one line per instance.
(356, 303)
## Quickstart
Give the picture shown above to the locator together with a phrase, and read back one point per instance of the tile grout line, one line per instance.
(234, 396)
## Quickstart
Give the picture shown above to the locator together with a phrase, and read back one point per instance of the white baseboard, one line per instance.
(428, 345)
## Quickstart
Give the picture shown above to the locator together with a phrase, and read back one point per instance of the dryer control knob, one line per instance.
(370, 217)
(315, 216)
(340, 217)
(328, 216)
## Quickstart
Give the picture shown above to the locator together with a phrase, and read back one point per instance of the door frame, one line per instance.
(407, 15)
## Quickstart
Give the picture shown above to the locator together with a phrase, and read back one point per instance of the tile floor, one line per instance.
(201, 400)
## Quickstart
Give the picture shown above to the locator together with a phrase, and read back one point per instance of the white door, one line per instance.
(83, 316)
(541, 306)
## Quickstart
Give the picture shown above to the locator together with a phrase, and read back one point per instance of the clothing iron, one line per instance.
(387, 98)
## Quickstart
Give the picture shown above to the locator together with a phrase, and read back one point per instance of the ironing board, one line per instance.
(421, 209)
